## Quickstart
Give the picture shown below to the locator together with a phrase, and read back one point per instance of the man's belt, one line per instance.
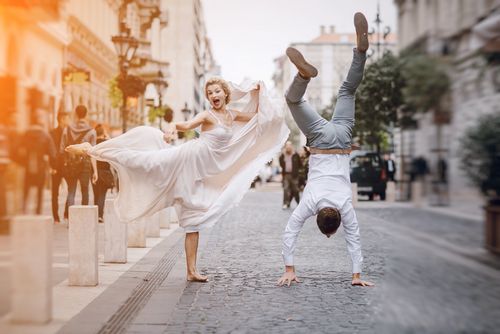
(315, 150)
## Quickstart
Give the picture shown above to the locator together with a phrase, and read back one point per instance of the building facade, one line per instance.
(446, 28)
(187, 49)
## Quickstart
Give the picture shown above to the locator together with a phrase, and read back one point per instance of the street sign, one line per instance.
(75, 76)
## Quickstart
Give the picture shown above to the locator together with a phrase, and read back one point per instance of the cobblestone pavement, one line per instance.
(421, 287)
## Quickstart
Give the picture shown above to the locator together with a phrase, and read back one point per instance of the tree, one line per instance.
(426, 82)
(378, 98)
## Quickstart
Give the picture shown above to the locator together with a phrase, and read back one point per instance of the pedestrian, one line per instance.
(304, 167)
(105, 177)
(78, 168)
(57, 163)
(390, 167)
(35, 151)
(328, 191)
(204, 177)
(290, 165)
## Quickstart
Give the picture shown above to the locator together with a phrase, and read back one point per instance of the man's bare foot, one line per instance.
(197, 278)
(305, 69)
(78, 149)
(361, 26)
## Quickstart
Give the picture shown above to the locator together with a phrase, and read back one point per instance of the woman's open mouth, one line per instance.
(216, 102)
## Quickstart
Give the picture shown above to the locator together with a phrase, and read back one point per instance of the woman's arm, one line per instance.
(192, 123)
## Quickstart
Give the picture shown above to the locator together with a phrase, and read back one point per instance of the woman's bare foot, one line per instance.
(78, 149)
(196, 277)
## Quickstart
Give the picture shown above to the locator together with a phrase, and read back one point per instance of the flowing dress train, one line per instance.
(206, 176)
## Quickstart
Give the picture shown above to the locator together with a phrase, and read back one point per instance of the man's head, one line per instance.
(328, 220)
(62, 119)
(81, 111)
(288, 147)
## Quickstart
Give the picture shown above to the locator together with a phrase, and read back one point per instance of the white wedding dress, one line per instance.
(206, 176)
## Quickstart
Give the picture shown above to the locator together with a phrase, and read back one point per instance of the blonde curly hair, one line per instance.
(222, 83)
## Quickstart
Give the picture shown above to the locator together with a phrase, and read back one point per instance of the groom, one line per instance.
(328, 190)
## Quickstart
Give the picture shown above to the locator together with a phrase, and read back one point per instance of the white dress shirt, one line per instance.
(328, 185)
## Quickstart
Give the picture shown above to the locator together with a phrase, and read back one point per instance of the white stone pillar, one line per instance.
(164, 217)
(416, 193)
(153, 226)
(354, 187)
(390, 192)
(83, 254)
(137, 234)
(115, 235)
(31, 240)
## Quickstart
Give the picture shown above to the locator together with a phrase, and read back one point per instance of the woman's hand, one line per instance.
(170, 134)
(95, 177)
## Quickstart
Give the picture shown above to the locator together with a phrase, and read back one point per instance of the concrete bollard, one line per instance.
(354, 187)
(137, 234)
(31, 300)
(115, 235)
(390, 192)
(153, 226)
(83, 254)
(164, 217)
(416, 193)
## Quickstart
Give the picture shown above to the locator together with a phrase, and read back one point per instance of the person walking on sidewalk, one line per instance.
(57, 163)
(204, 177)
(290, 164)
(328, 191)
(105, 178)
(78, 168)
(36, 150)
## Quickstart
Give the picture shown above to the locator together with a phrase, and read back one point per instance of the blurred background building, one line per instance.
(105, 54)
(450, 29)
(188, 50)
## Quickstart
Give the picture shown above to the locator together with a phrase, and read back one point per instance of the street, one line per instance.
(423, 283)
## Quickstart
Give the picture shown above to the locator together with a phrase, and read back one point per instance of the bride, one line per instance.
(205, 177)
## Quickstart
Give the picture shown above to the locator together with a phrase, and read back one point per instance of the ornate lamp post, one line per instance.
(125, 46)
(381, 35)
(186, 111)
(160, 85)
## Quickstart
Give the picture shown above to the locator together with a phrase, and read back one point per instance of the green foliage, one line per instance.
(154, 113)
(378, 98)
(480, 155)
(426, 82)
(164, 112)
(114, 93)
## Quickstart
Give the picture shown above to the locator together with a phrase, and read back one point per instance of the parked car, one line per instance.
(367, 170)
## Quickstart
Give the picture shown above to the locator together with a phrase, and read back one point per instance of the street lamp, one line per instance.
(160, 85)
(186, 111)
(125, 46)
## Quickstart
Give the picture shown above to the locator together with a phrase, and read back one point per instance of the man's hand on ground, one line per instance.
(356, 280)
(288, 277)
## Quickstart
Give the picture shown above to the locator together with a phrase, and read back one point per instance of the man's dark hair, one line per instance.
(328, 220)
(61, 115)
(81, 111)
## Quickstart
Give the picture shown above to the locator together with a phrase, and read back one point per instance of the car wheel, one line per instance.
(370, 196)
